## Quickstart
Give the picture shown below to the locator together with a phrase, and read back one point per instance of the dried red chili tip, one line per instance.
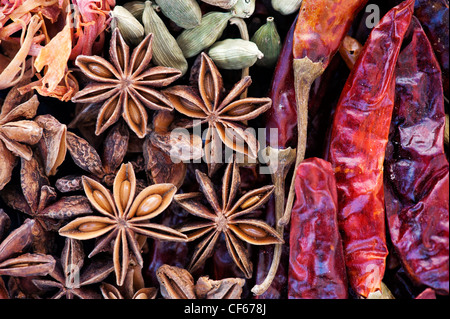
(282, 116)
(316, 261)
(416, 168)
(358, 142)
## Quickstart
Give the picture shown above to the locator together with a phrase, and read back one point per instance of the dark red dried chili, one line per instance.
(358, 142)
(416, 168)
(433, 15)
(282, 116)
(316, 262)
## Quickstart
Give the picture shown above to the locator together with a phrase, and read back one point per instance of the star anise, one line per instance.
(36, 198)
(103, 166)
(70, 278)
(222, 113)
(165, 152)
(178, 283)
(125, 217)
(17, 131)
(133, 287)
(126, 85)
(15, 261)
(226, 219)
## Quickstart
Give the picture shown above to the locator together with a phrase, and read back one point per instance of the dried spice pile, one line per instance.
(224, 149)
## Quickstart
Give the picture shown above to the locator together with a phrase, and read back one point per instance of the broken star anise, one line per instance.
(178, 283)
(226, 218)
(126, 85)
(125, 216)
(17, 131)
(222, 113)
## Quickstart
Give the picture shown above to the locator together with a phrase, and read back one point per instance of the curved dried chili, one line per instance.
(416, 168)
(358, 142)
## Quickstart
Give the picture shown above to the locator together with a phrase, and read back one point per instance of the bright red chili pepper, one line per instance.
(316, 262)
(358, 142)
(416, 168)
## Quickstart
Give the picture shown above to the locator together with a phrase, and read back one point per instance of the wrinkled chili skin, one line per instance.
(316, 261)
(358, 142)
(282, 116)
(416, 168)
(434, 15)
(321, 26)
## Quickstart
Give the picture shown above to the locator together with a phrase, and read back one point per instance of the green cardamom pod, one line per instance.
(244, 8)
(166, 51)
(286, 7)
(136, 8)
(234, 54)
(269, 42)
(130, 28)
(224, 4)
(185, 13)
(194, 40)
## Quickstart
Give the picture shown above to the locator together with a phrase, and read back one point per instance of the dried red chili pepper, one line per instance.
(416, 168)
(358, 141)
(433, 15)
(320, 28)
(316, 262)
(282, 116)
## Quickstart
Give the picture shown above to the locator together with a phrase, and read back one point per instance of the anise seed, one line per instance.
(253, 231)
(100, 70)
(90, 227)
(150, 204)
(101, 200)
(125, 190)
(134, 112)
(241, 110)
(250, 202)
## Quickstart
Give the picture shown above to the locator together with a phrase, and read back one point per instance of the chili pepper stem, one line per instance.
(242, 26)
(305, 73)
(279, 169)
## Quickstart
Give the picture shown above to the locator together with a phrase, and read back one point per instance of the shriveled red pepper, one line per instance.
(316, 258)
(358, 142)
(320, 28)
(282, 116)
(433, 15)
(416, 168)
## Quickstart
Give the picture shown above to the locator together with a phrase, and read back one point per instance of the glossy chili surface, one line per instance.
(316, 258)
(416, 168)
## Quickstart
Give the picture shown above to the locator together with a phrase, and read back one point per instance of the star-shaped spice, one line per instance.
(36, 198)
(17, 131)
(13, 259)
(227, 219)
(71, 279)
(207, 104)
(126, 86)
(124, 217)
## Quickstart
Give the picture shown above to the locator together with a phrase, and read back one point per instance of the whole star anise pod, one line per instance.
(126, 85)
(207, 103)
(125, 216)
(17, 131)
(226, 218)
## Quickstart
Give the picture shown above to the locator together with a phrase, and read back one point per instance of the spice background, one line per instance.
(93, 155)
